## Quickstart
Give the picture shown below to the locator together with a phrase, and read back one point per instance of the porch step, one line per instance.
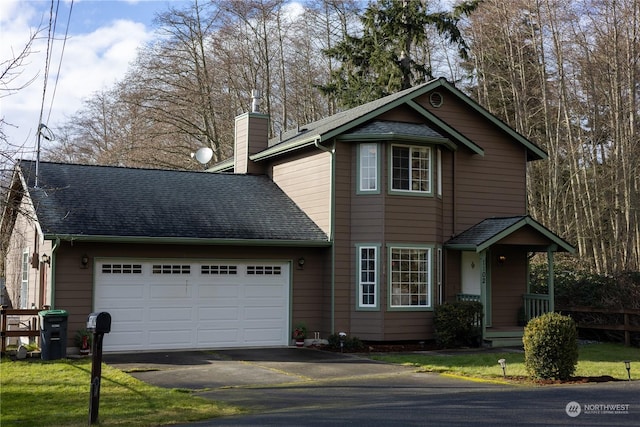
(503, 342)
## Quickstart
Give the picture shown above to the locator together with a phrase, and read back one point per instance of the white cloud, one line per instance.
(92, 61)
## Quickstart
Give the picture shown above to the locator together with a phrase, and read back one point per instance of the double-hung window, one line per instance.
(410, 277)
(24, 282)
(367, 277)
(411, 169)
(368, 168)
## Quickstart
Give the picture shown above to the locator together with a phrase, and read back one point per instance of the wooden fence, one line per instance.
(23, 328)
(625, 326)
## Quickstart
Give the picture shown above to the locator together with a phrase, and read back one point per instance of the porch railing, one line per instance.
(535, 305)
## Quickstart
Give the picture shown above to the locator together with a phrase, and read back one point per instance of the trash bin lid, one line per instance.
(58, 313)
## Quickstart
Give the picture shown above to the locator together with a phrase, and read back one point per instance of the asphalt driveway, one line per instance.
(291, 386)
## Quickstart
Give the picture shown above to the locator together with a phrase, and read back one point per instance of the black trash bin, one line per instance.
(53, 334)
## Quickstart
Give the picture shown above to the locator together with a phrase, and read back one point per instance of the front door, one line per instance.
(471, 273)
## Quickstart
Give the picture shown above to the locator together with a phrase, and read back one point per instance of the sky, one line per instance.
(102, 40)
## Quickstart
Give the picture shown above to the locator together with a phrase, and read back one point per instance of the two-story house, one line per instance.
(362, 222)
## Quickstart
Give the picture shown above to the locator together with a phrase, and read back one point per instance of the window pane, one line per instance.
(410, 277)
(400, 168)
(368, 276)
(368, 167)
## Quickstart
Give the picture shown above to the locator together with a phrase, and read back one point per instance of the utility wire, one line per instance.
(64, 43)
(46, 63)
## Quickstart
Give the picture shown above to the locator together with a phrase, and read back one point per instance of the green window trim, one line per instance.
(368, 164)
(411, 277)
(367, 277)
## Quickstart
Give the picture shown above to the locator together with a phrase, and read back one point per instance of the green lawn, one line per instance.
(56, 393)
(595, 360)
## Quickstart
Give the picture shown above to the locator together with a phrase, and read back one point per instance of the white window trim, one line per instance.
(439, 171)
(361, 165)
(360, 282)
(429, 249)
(429, 191)
(24, 279)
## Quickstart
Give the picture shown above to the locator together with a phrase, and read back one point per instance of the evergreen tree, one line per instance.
(390, 54)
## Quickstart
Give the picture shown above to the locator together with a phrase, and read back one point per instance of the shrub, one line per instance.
(350, 343)
(551, 347)
(458, 324)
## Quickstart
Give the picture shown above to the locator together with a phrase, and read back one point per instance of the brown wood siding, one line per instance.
(306, 179)
(526, 236)
(508, 284)
(74, 284)
(485, 186)
(343, 274)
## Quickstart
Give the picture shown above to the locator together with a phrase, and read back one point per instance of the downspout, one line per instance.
(53, 270)
(332, 152)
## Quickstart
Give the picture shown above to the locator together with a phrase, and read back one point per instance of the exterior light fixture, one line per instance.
(84, 260)
(45, 259)
(503, 365)
(343, 337)
(502, 259)
(301, 262)
(627, 364)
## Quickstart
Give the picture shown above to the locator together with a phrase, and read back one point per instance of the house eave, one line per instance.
(187, 240)
(397, 138)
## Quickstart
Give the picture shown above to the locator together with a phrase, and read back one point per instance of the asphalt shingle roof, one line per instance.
(484, 231)
(83, 200)
(379, 127)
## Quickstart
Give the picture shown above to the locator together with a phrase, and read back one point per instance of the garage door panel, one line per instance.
(219, 314)
(170, 314)
(194, 304)
(122, 315)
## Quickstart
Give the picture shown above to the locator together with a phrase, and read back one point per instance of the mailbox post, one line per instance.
(99, 324)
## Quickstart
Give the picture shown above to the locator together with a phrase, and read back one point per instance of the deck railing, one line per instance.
(535, 305)
(29, 327)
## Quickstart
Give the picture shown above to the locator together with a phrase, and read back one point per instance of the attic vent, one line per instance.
(271, 270)
(122, 268)
(219, 269)
(436, 99)
(171, 269)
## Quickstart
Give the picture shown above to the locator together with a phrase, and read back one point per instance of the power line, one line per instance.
(64, 43)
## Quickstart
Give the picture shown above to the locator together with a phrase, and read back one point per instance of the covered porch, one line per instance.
(494, 260)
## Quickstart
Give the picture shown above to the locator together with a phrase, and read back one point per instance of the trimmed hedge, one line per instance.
(458, 324)
(551, 346)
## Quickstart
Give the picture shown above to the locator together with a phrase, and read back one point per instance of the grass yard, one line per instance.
(595, 360)
(56, 393)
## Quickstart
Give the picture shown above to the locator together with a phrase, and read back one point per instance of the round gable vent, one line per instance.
(436, 99)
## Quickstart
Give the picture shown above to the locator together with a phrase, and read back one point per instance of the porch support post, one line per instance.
(485, 289)
(550, 285)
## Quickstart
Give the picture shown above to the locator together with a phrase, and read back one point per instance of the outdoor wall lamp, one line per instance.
(84, 260)
(45, 259)
(503, 365)
(627, 364)
(502, 259)
(300, 262)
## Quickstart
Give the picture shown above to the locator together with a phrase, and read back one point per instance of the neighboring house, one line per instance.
(362, 223)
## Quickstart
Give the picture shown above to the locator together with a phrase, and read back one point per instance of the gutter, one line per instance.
(54, 248)
(332, 152)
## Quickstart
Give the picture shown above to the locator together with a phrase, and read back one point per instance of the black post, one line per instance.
(96, 374)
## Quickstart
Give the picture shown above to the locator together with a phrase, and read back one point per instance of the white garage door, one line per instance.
(171, 304)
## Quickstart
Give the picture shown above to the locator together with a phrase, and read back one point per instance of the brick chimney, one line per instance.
(251, 136)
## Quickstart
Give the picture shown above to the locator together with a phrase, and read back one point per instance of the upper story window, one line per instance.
(368, 167)
(24, 282)
(411, 169)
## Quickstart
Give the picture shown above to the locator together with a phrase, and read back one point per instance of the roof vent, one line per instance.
(436, 99)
